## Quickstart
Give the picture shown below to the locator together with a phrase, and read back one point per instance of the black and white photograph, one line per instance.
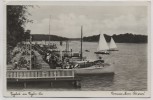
(83, 49)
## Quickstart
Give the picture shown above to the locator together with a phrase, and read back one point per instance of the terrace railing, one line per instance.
(35, 74)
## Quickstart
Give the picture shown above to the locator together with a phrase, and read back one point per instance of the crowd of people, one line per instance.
(55, 61)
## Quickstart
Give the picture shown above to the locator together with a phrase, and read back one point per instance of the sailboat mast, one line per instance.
(81, 42)
(49, 29)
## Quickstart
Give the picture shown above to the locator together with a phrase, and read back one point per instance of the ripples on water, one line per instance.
(130, 70)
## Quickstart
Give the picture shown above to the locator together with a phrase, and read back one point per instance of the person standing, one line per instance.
(47, 57)
(15, 65)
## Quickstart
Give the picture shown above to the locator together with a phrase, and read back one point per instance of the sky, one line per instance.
(67, 20)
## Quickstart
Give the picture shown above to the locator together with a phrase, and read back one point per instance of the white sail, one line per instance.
(102, 43)
(112, 44)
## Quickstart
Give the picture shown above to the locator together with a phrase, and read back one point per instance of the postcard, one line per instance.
(77, 49)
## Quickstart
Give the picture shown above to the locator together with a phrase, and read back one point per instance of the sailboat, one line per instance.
(112, 45)
(102, 46)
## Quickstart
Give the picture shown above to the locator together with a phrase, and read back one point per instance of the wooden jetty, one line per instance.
(51, 76)
(42, 64)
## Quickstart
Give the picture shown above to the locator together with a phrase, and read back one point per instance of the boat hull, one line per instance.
(107, 53)
(95, 70)
(113, 50)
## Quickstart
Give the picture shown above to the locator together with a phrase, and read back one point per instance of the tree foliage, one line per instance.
(42, 37)
(16, 19)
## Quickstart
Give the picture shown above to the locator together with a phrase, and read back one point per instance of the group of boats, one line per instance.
(98, 66)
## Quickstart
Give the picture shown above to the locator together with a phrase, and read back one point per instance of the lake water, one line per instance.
(130, 69)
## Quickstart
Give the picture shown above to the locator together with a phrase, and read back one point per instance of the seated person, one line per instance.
(99, 62)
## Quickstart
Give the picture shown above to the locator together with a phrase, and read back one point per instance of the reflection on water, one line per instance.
(97, 82)
(130, 70)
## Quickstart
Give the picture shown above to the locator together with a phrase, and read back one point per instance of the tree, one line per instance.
(27, 35)
(16, 19)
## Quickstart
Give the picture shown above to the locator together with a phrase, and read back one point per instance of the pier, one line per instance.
(52, 75)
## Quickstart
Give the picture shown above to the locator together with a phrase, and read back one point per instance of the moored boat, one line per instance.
(93, 67)
(107, 69)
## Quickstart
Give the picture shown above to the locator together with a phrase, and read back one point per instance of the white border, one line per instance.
(82, 93)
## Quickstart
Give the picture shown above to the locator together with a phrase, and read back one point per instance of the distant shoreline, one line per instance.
(121, 38)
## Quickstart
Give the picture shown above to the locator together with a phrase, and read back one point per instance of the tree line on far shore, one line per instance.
(43, 37)
(121, 38)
